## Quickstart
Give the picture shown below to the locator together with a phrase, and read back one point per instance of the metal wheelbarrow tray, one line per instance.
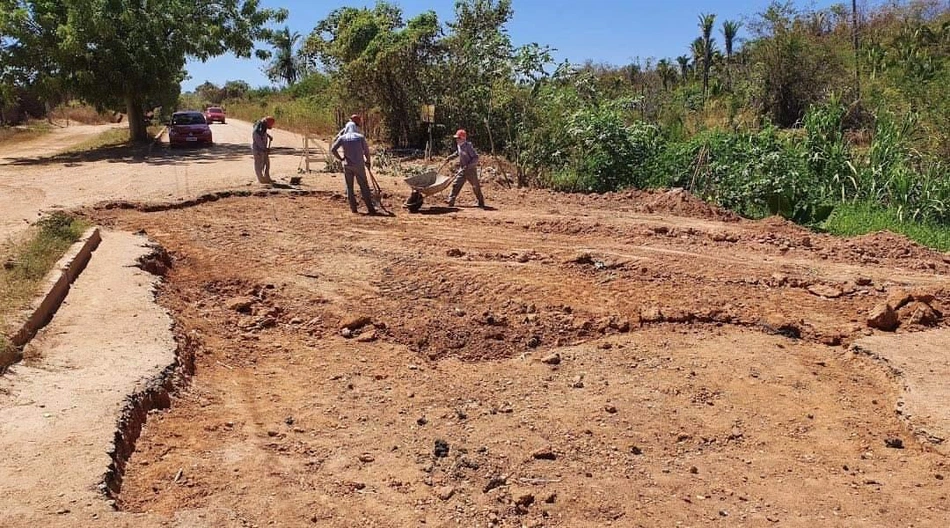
(429, 183)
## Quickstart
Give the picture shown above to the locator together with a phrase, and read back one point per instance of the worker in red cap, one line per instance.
(468, 169)
(260, 144)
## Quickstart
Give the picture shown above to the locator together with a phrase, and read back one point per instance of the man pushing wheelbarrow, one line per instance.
(432, 182)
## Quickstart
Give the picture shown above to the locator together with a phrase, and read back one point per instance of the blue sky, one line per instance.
(609, 31)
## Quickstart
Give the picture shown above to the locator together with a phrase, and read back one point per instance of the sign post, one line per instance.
(427, 113)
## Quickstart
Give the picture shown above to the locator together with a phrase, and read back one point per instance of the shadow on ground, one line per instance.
(153, 154)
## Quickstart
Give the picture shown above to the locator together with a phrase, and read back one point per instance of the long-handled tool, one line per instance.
(376, 193)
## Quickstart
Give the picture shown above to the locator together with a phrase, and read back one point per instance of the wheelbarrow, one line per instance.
(426, 184)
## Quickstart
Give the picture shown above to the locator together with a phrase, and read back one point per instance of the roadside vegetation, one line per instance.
(810, 114)
(17, 134)
(27, 261)
(784, 114)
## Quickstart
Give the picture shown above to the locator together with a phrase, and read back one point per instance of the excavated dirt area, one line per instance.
(558, 360)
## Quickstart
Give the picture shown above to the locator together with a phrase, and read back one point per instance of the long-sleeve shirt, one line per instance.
(466, 155)
(259, 137)
(355, 149)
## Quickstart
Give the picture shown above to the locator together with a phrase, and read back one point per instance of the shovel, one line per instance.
(376, 193)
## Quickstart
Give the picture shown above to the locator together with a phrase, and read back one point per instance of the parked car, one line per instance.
(214, 113)
(189, 128)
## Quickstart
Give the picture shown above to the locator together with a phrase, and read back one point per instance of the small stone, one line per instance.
(551, 359)
(863, 281)
(545, 453)
(897, 299)
(883, 317)
(924, 296)
(918, 313)
(367, 337)
(551, 499)
(577, 382)
(422, 420)
(525, 500)
(240, 304)
(610, 409)
(495, 482)
(445, 493)
(356, 322)
(533, 342)
(367, 458)
(441, 449)
(272, 433)
(894, 443)
(346, 333)
(651, 315)
(62, 511)
(694, 470)
(828, 292)
(454, 253)
(636, 450)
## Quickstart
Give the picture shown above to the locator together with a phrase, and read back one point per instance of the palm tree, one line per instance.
(667, 73)
(285, 66)
(698, 49)
(706, 23)
(730, 29)
(683, 61)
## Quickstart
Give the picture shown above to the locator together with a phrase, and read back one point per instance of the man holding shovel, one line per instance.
(356, 160)
(260, 144)
(468, 169)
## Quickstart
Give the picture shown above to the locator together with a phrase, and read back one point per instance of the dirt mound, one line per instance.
(681, 202)
(884, 245)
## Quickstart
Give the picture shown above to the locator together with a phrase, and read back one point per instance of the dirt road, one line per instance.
(558, 361)
(637, 359)
(35, 177)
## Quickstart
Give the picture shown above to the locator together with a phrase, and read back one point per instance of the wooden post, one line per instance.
(306, 154)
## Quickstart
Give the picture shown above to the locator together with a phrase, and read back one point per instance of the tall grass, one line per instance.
(17, 134)
(26, 263)
(83, 114)
(854, 219)
(304, 116)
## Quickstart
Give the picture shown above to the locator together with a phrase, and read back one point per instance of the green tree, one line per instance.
(683, 61)
(209, 92)
(706, 23)
(285, 66)
(479, 69)
(128, 53)
(667, 73)
(235, 89)
(730, 29)
(378, 61)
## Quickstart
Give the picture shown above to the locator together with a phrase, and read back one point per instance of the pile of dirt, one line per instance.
(681, 202)
(884, 245)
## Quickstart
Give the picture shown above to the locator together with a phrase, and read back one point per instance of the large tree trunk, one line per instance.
(137, 130)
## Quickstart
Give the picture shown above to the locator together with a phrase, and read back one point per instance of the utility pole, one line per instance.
(854, 36)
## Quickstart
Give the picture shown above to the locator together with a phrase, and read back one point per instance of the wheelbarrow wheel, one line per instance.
(414, 202)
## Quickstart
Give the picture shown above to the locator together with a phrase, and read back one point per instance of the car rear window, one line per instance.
(188, 119)
(216, 110)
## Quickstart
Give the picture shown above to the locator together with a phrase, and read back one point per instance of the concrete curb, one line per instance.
(58, 282)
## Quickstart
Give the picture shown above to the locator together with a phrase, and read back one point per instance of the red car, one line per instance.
(189, 128)
(214, 113)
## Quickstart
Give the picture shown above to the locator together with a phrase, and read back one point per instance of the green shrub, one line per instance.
(863, 217)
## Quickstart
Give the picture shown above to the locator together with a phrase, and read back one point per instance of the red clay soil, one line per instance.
(557, 361)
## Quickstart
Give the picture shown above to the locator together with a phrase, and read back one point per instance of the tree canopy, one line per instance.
(124, 53)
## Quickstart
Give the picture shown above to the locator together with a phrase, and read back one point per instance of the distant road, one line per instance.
(32, 180)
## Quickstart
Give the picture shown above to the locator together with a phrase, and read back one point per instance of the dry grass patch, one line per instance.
(19, 134)
(26, 262)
